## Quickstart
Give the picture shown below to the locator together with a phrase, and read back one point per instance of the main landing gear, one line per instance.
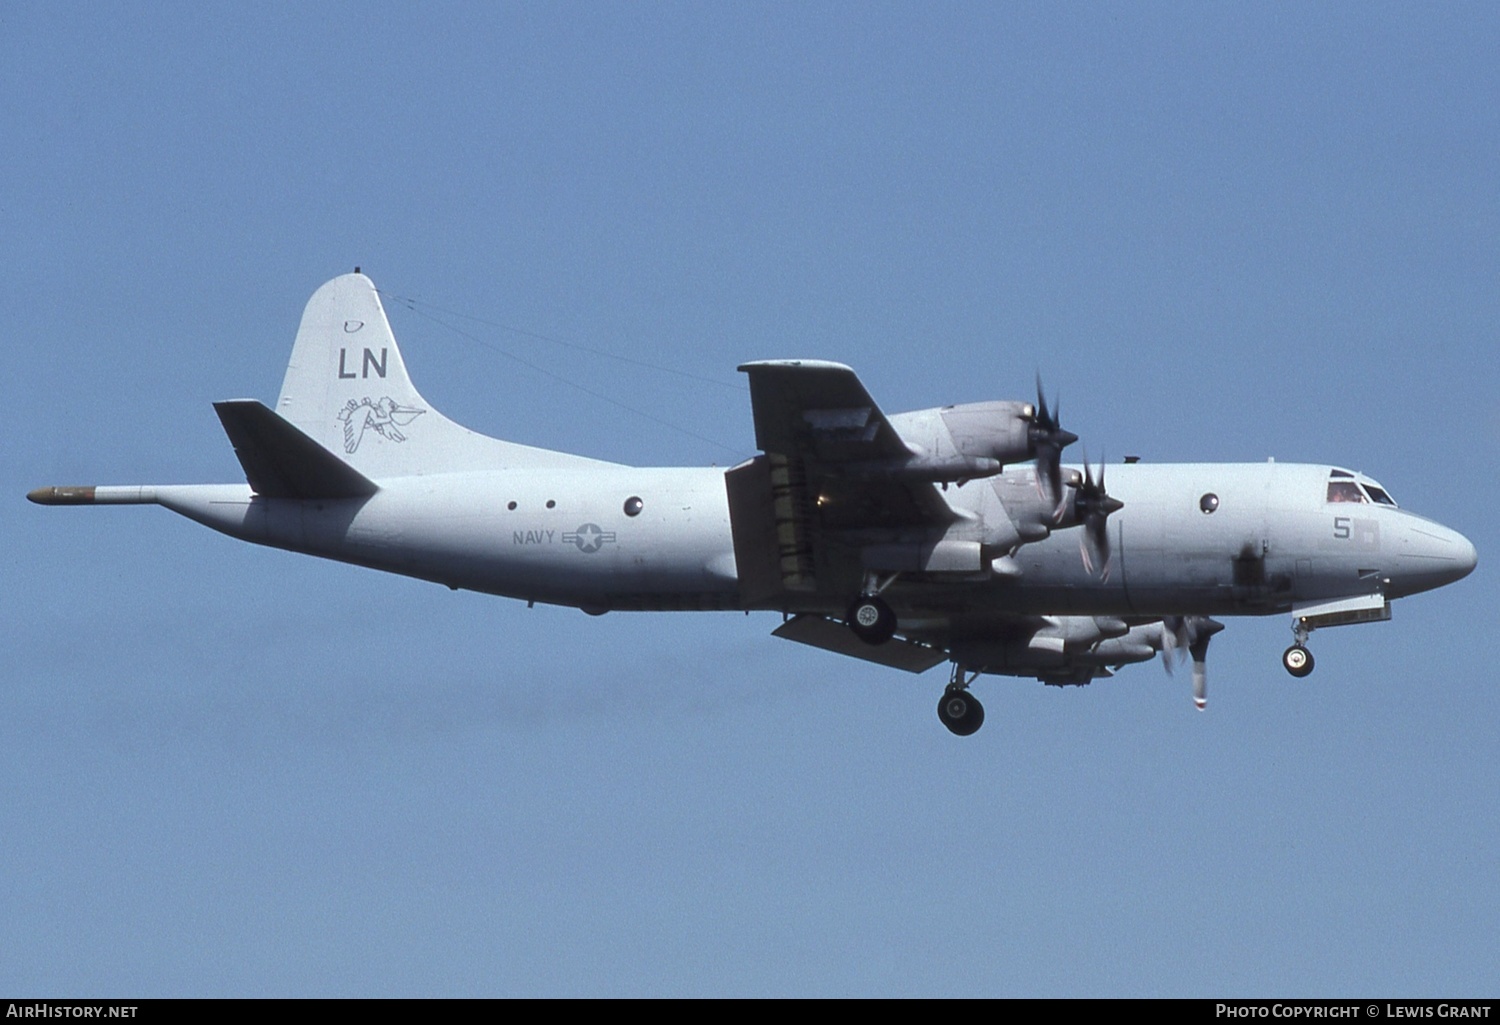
(869, 616)
(871, 619)
(1297, 660)
(959, 710)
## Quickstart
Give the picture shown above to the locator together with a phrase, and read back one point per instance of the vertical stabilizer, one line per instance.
(347, 388)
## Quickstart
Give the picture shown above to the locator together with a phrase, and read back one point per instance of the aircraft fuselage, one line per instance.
(564, 537)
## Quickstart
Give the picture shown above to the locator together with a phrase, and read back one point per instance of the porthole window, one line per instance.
(633, 506)
(551, 504)
(1208, 503)
(511, 506)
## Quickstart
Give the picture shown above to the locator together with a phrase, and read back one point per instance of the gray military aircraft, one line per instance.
(943, 535)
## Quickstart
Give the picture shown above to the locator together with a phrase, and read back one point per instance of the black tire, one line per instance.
(872, 620)
(961, 712)
(1297, 660)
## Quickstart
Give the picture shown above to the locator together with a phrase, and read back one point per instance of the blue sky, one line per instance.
(1220, 232)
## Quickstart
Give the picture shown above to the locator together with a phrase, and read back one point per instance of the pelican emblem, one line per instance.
(383, 417)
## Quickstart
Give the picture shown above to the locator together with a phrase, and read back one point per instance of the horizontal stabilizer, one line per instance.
(830, 636)
(282, 462)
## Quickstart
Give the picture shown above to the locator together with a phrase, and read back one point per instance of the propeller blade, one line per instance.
(1199, 650)
(1048, 439)
(1175, 638)
(1094, 506)
(1188, 636)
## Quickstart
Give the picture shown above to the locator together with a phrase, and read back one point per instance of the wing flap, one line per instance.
(897, 653)
(280, 461)
(771, 550)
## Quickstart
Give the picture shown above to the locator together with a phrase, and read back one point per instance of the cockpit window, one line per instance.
(1344, 486)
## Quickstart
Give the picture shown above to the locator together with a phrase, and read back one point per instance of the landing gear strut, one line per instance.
(959, 710)
(1297, 660)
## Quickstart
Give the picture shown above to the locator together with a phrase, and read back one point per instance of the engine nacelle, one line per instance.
(1078, 633)
(1139, 645)
(1058, 645)
(1029, 510)
(964, 442)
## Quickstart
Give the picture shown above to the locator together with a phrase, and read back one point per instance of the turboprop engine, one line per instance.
(959, 443)
(979, 439)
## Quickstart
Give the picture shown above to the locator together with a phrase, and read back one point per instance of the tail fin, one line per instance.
(347, 388)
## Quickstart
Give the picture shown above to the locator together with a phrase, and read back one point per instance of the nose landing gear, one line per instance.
(1297, 660)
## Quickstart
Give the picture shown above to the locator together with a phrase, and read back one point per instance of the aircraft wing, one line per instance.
(833, 483)
(818, 410)
(819, 415)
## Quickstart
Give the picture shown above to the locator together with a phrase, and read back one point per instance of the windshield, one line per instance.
(1343, 487)
(1345, 491)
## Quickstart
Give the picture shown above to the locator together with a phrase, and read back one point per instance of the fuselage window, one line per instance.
(1344, 491)
(1208, 503)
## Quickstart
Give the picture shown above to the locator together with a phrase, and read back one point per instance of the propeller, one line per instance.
(1048, 439)
(1093, 505)
(1188, 636)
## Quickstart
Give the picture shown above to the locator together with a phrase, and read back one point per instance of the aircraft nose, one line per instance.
(1433, 555)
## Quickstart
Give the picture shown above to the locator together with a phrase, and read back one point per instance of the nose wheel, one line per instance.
(1297, 660)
